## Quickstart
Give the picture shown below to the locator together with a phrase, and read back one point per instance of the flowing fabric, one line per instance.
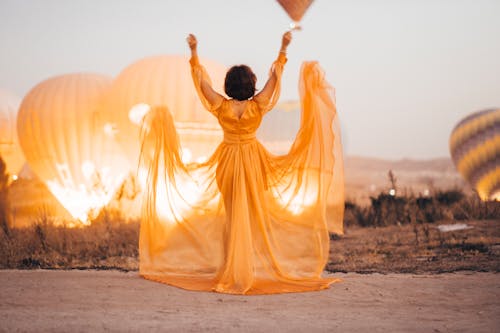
(246, 221)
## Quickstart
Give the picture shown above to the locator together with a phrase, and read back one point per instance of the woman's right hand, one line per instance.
(192, 42)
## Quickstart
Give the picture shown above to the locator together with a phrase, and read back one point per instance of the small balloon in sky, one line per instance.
(295, 10)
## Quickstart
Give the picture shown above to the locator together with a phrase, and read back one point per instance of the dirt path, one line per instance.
(114, 301)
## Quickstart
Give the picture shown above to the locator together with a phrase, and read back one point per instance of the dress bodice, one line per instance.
(243, 127)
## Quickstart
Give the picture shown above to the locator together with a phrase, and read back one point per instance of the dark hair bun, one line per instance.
(240, 82)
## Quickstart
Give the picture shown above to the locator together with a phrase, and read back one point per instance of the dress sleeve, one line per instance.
(268, 102)
(200, 76)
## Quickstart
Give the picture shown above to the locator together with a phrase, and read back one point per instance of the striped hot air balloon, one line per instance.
(475, 150)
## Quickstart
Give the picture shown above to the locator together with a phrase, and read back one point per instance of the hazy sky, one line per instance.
(405, 71)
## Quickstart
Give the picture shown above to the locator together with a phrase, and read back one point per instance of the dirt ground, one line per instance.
(46, 300)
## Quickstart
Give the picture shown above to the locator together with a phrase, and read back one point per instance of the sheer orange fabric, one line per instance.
(245, 221)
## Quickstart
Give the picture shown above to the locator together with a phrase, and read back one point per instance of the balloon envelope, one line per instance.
(67, 144)
(164, 80)
(475, 150)
(10, 151)
(295, 8)
(287, 117)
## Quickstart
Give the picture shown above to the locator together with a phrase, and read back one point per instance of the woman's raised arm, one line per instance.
(269, 95)
(209, 97)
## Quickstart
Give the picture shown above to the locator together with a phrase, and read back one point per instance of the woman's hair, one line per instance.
(240, 82)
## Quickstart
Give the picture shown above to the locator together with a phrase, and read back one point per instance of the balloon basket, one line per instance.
(294, 26)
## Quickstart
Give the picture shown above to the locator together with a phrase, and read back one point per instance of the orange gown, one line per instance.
(245, 221)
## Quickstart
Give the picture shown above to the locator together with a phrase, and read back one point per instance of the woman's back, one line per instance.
(237, 117)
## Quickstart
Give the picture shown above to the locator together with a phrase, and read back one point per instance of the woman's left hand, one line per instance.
(285, 40)
(192, 41)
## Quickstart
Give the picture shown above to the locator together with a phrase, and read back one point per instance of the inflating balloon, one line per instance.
(287, 116)
(68, 145)
(164, 81)
(10, 151)
(295, 9)
(475, 150)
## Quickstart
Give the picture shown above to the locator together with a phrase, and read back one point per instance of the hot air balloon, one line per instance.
(164, 81)
(67, 144)
(475, 150)
(295, 9)
(286, 116)
(10, 151)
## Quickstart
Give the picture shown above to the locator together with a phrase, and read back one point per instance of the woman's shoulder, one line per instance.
(225, 102)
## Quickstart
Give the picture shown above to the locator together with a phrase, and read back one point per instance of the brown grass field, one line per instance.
(386, 234)
(417, 249)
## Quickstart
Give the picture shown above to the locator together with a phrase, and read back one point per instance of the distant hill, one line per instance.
(367, 176)
(443, 164)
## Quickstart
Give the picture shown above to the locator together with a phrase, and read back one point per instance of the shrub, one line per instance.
(385, 209)
(449, 197)
(4, 198)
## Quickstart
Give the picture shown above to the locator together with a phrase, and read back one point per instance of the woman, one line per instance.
(246, 221)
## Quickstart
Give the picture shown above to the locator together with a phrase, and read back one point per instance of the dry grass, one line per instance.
(409, 248)
(386, 210)
(418, 248)
(103, 245)
(400, 234)
(393, 234)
